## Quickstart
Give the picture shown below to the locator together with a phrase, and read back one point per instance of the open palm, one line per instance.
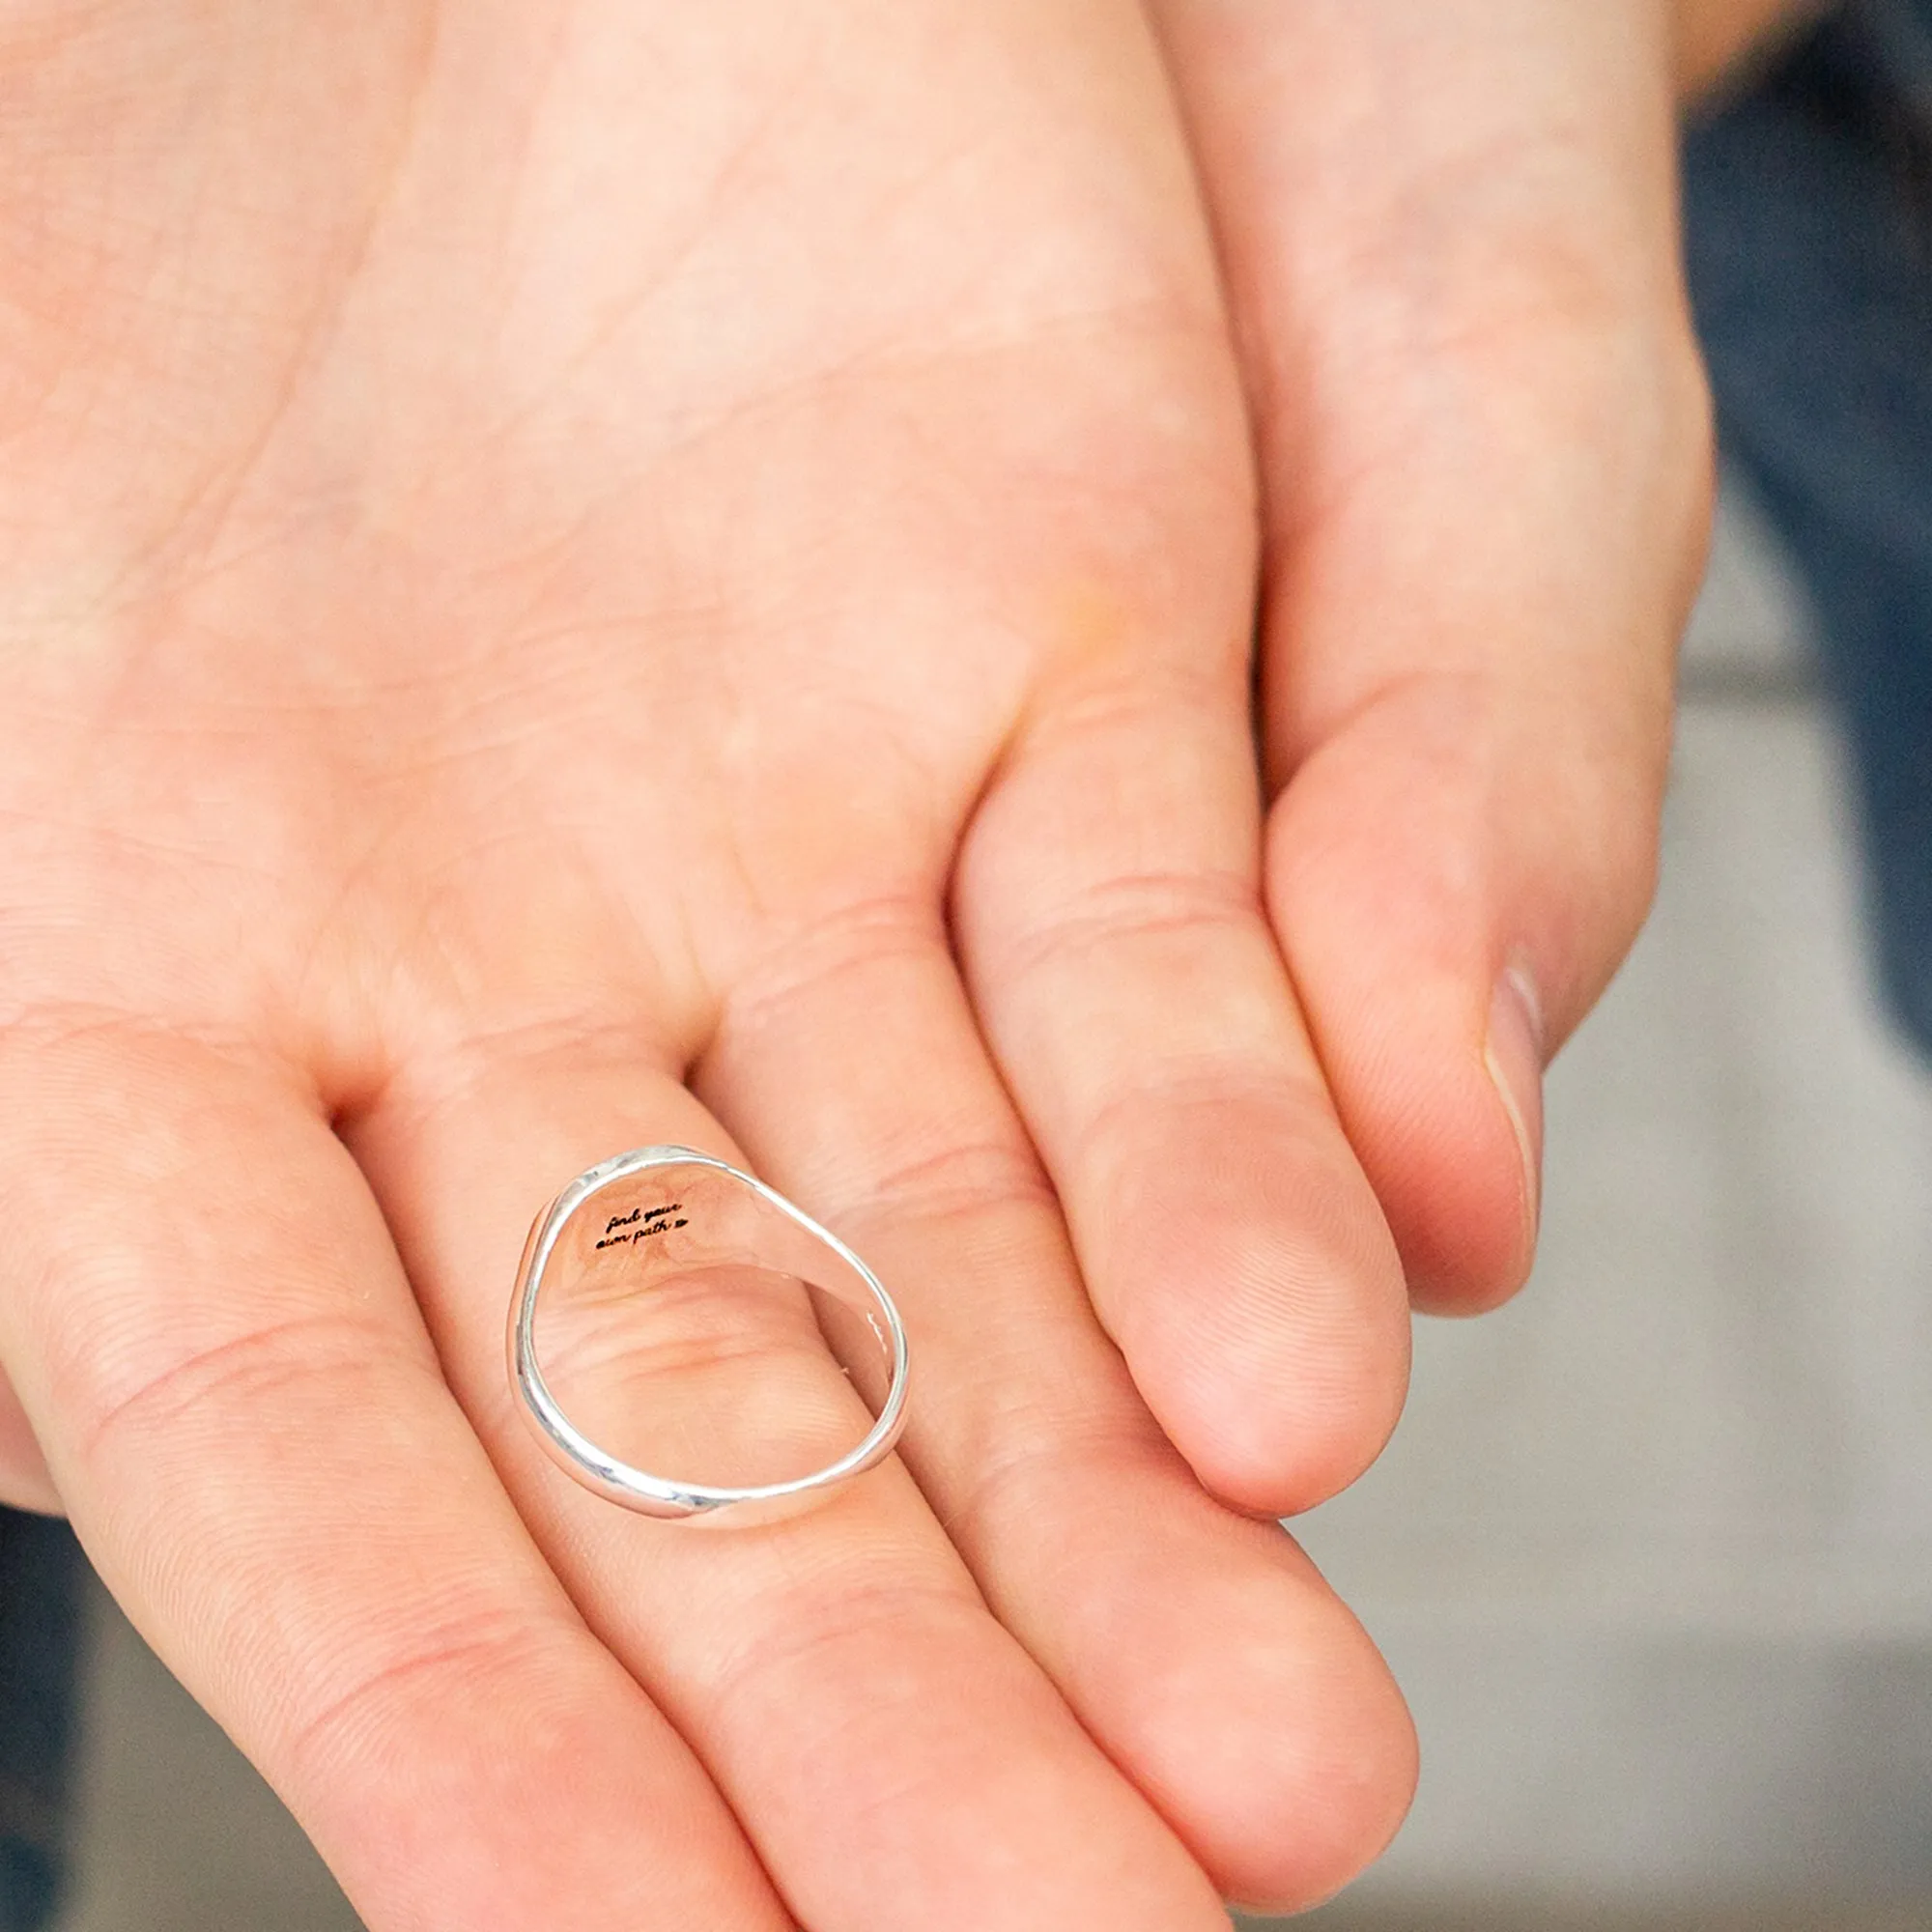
(576, 578)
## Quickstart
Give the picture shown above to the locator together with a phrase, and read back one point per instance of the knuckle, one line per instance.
(1130, 909)
(958, 1179)
(690, 1334)
(806, 964)
(145, 1391)
(836, 1620)
(444, 1664)
(1035, 1447)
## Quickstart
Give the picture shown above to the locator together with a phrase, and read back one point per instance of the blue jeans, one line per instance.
(1809, 219)
(40, 1570)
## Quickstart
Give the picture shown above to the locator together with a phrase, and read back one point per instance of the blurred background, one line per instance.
(1652, 1551)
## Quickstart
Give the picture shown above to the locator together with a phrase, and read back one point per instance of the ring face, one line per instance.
(668, 1215)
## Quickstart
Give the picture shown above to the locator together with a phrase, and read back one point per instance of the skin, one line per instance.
(552, 556)
(577, 579)
(1485, 460)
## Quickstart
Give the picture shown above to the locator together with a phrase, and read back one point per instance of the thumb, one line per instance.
(1450, 241)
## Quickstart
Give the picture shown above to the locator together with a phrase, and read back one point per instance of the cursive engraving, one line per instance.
(640, 1224)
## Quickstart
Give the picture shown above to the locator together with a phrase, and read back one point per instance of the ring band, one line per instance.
(735, 1204)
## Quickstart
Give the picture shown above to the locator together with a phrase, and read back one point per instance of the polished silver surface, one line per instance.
(605, 1217)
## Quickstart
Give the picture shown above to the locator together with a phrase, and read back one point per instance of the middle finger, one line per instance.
(894, 1755)
(1198, 1646)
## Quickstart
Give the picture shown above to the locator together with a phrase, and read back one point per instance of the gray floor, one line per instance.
(1653, 1550)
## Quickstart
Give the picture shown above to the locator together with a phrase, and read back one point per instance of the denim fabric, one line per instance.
(1808, 220)
(41, 1571)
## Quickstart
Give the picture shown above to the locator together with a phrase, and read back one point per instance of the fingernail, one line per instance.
(1513, 1056)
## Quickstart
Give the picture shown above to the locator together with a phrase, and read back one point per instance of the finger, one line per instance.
(205, 1321)
(24, 1480)
(1450, 243)
(1109, 914)
(1197, 1646)
(894, 1754)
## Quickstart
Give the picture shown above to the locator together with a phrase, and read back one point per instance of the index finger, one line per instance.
(203, 1314)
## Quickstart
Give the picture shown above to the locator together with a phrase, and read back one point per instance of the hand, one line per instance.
(555, 556)
(1450, 240)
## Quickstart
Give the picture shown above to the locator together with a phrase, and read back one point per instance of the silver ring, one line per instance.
(717, 1209)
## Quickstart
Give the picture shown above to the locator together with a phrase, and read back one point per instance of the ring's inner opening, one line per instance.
(694, 1330)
